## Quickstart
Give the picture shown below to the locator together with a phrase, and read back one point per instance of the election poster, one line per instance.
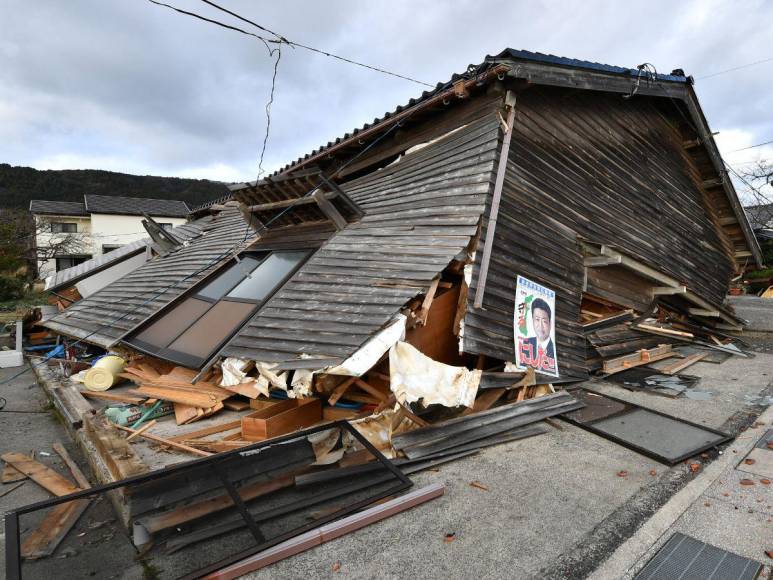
(535, 327)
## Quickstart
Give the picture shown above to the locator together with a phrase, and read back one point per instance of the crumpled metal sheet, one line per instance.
(415, 376)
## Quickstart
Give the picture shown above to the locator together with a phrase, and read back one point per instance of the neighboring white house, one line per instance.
(69, 233)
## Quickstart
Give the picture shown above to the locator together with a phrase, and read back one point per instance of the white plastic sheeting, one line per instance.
(415, 376)
(373, 349)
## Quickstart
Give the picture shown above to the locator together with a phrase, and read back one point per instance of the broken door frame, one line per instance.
(13, 560)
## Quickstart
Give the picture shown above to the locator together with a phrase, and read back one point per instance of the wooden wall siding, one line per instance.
(420, 213)
(612, 171)
(209, 237)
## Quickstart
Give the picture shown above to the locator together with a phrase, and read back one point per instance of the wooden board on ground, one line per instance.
(11, 474)
(684, 363)
(112, 397)
(44, 540)
(40, 474)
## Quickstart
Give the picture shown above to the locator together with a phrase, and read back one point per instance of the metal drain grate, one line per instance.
(685, 558)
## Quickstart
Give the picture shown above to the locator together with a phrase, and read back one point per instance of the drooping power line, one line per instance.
(735, 68)
(751, 146)
(283, 40)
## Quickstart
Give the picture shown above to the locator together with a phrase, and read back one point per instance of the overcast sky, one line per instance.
(129, 86)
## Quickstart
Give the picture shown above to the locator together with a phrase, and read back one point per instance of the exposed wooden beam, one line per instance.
(668, 290)
(704, 312)
(717, 182)
(329, 209)
(496, 198)
(287, 203)
(599, 261)
(692, 143)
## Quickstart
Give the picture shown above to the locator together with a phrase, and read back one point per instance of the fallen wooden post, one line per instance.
(168, 442)
(641, 357)
(141, 430)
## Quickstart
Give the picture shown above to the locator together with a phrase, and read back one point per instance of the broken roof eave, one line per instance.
(691, 99)
(560, 72)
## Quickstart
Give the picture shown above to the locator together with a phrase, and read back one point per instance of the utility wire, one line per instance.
(268, 112)
(751, 146)
(222, 255)
(735, 68)
(282, 40)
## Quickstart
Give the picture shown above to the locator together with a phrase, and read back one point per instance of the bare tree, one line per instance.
(757, 189)
(27, 243)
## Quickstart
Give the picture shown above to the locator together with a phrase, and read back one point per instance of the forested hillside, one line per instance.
(18, 185)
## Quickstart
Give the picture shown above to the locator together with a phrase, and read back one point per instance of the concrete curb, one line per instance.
(629, 554)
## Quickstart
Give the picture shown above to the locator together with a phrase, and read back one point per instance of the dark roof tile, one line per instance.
(135, 206)
(45, 207)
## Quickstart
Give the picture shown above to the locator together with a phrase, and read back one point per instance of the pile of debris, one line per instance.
(649, 351)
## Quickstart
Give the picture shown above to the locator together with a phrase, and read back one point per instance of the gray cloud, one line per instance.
(134, 87)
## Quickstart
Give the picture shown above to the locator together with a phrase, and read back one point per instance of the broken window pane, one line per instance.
(264, 279)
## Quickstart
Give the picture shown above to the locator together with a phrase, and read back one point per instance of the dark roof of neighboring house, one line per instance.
(45, 207)
(760, 216)
(111, 204)
(106, 315)
(135, 206)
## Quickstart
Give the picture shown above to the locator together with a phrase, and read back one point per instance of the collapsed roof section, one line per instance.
(105, 316)
(419, 214)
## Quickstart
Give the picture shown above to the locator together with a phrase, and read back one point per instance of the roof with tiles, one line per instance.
(105, 316)
(67, 208)
(112, 204)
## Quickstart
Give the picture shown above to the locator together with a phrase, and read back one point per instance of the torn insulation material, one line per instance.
(415, 376)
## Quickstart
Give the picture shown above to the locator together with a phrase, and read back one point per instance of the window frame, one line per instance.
(80, 258)
(59, 227)
(196, 362)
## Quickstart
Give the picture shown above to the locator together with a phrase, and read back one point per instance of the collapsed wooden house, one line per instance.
(599, 182)
(384, 269)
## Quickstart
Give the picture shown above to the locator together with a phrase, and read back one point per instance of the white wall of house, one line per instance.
(93, 233)
(80, 244)
(119, 230)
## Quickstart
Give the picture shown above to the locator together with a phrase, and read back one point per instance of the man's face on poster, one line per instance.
(541, 323)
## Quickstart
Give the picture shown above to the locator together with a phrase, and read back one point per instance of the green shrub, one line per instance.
(11, 287)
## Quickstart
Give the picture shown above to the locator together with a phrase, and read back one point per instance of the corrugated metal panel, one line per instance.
(108, 314)
(612, 171)
(420, 213)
